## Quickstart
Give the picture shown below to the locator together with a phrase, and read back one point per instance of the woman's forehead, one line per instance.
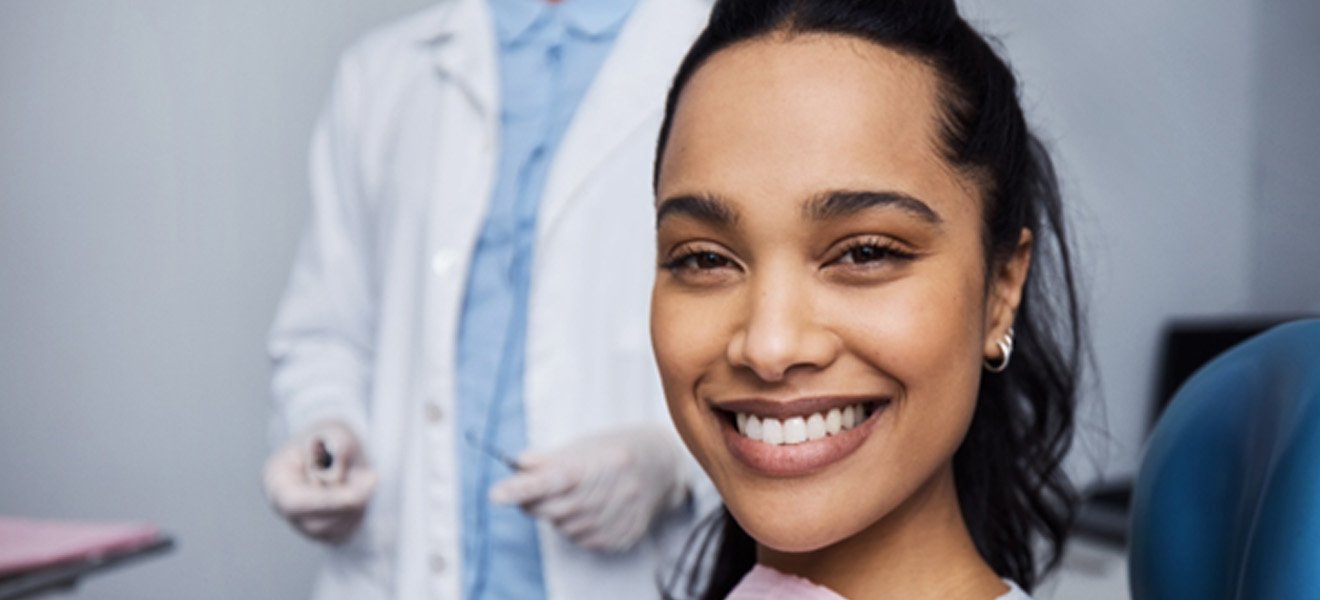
(796, 116)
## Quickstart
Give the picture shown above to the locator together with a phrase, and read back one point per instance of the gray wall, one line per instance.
(1149, 109)
(1286, 257)
(152, 187)
(1189, 146)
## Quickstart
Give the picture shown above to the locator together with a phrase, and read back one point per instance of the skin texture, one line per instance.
(759, 297)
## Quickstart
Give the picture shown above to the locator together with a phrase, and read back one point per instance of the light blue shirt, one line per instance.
(548, 55)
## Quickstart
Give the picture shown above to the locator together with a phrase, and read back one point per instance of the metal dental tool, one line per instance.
(492, 451)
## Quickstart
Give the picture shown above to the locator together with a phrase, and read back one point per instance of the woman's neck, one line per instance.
(920, 550)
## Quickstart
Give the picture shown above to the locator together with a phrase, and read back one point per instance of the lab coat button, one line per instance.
(437, 564)
(433, 412)
(443, 262)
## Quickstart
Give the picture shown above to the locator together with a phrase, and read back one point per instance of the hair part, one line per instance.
(1012, 489)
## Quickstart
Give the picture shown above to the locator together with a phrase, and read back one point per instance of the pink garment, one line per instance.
(28, 544)
(764, 583)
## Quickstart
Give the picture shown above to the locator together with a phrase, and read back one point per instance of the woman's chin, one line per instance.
(794, 534)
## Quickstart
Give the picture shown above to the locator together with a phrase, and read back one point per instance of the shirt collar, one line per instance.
(514, 18)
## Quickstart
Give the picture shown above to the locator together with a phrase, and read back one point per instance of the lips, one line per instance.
(799, 437)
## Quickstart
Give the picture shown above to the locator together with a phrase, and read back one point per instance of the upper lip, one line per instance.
(779, 409)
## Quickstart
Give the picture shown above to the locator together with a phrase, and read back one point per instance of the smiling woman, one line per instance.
(864, 313)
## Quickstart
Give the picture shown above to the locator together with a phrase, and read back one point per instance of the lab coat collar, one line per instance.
(590, 18)
(460, 41)
(629, 89)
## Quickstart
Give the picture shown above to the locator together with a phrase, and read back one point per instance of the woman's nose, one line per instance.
(781, 332)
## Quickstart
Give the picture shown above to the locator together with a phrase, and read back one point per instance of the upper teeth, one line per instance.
(795, 430)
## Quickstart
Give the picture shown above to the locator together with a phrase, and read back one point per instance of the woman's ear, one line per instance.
(1005, 294)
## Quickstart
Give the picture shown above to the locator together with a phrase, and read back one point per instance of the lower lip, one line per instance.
(798, 459)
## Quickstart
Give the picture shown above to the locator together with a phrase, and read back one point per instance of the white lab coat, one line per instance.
(402, 168)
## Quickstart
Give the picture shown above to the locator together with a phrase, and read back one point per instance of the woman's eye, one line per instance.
(709, 260)
(702, 268)
(700, 261)
(866, 254)
(869, 253)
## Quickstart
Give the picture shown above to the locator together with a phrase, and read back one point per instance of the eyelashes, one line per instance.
(704, 261)
(867, 251)
(700, 267)
(698, 260)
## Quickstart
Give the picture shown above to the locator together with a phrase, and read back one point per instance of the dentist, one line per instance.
(475, 280)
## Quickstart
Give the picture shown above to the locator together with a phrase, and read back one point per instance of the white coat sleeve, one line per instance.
(321, 342)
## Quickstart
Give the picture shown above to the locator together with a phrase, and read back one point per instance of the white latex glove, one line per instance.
(323, 497)
(602, 492)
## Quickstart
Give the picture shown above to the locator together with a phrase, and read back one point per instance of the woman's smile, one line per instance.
(800, 436)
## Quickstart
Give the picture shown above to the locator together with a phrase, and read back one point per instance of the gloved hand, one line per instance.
(604, 491)
(320, 482)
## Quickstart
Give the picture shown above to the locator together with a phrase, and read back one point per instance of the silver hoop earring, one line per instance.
(1006, 348)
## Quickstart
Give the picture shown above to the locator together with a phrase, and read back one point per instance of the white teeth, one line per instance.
(772, 431)
(815, 427)
(753, 428)
(796, 430)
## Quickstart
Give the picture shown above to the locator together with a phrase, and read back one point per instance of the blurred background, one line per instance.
(153, 187)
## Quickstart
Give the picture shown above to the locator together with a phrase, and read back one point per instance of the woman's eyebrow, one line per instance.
(710, 209)
(841, 203)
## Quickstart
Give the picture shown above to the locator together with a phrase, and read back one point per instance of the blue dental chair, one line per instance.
(1227, 501)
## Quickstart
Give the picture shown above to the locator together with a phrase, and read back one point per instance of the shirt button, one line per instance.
(437, 564)
(443, 262)
(433, 412)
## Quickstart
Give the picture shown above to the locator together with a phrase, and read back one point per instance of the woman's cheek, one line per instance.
(892, 326)
(685, 330)
(686, 348)
(925, 319)
(665, 333)
(675, 338)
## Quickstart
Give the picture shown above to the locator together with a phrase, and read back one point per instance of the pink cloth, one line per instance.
(764, 583)
(27, 544)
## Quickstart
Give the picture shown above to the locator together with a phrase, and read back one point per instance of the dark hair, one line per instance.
(1011, 487)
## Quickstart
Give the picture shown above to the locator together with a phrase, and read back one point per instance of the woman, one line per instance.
(864, 312)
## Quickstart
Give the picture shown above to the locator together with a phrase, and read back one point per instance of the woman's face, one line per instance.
(821, 310)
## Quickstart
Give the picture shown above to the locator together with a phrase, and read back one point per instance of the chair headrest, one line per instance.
(1227, 501)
